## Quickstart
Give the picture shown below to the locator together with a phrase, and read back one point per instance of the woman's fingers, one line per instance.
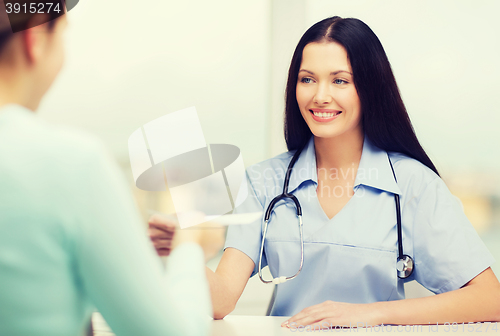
(162, 222)
(330, 314)
(161, 231)
(165, 235)
(161, 227)
(155, 233)
(313, 315)
(163, 252)
(306, 317)
(167, 227)
(162, 244)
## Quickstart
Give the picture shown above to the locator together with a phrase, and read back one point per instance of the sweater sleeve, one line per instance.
(118, 267)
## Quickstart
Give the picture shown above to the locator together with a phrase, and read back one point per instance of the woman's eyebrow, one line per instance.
(304, 70)
(331, 73)
(339, 71)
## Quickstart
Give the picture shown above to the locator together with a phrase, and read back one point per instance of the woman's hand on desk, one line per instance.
(166, 235)
(475, 301)
(330, 313)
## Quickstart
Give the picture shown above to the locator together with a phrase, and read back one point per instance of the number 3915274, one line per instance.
(32, 8)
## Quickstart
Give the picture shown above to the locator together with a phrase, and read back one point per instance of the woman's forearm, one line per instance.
(222, 302)
(475, 302)
(229, 280)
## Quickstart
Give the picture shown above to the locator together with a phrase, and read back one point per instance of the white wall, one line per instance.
(130, 62)
(128, 65)
(445, 58)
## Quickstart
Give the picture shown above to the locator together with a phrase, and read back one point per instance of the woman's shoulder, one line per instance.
(412, 175)
(268, 175)
(406, 165)
(44, 138)
(60, 152)
(275, 165)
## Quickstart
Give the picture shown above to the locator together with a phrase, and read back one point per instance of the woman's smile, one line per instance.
(324, 115)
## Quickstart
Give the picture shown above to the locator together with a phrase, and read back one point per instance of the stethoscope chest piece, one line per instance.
(404, 266)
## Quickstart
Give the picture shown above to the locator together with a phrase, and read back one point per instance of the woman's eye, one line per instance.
(339, 81)
(306, 80)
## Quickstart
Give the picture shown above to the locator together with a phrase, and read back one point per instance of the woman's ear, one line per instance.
(35, 40)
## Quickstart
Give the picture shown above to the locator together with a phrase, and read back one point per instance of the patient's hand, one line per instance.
(161, 232)
(166, 235)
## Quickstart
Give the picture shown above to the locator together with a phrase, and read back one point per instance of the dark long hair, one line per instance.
(22, 21)
(383, 115)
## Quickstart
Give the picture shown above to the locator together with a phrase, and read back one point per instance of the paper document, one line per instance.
(224, 220)
(235, 219)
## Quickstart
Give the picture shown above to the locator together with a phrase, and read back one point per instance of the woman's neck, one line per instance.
(14, 91)
(18, 81)
(339, 152)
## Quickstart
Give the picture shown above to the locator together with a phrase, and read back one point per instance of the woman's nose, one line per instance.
(323, 95)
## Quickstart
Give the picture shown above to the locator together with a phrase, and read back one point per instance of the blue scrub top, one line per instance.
(352, 257)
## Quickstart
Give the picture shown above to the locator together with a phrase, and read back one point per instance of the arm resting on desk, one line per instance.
(228, 281)
(478, 300)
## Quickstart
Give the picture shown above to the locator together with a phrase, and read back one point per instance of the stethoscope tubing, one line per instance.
(404, 265)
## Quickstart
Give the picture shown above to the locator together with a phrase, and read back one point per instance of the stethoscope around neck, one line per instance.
(404, 264)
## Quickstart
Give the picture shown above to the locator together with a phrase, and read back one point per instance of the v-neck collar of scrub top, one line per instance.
(374, 169)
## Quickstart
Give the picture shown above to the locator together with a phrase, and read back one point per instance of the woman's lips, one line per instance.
(324, 115)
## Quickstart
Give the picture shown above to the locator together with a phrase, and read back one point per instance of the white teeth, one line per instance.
(324, 114)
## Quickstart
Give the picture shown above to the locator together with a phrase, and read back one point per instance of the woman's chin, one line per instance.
(325, 132)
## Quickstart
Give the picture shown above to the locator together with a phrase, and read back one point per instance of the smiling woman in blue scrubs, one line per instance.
(343, 105)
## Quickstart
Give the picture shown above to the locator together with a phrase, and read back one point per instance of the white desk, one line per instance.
(234, 325)
(239, 325)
